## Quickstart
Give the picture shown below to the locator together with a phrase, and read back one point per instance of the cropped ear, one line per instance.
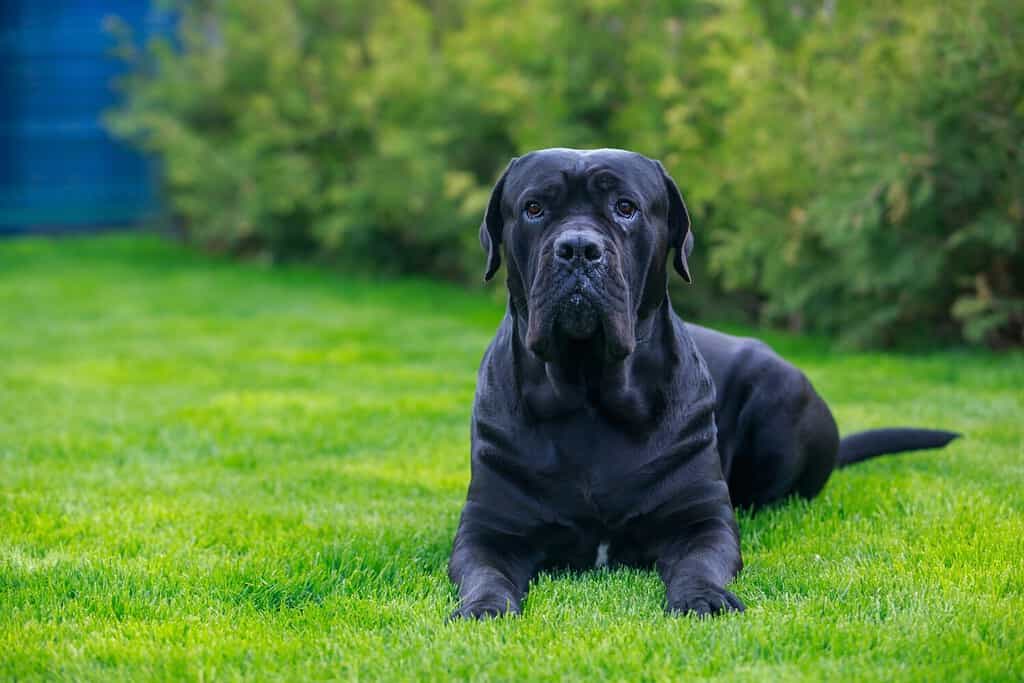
(493, 224)
(680, 237)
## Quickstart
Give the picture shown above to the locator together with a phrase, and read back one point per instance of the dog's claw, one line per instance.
(705, 601)
(485, 609)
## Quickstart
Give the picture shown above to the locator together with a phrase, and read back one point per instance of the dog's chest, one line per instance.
(599, 471)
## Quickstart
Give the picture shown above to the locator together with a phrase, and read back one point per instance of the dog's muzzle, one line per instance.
(578, 254)
(579, 294)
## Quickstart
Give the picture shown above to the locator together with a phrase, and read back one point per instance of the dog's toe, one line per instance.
(485, 609)
(705, 600)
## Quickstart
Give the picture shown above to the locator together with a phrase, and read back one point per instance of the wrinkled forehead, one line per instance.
(626, 170)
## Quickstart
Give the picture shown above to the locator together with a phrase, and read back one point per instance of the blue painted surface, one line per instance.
(59, 168)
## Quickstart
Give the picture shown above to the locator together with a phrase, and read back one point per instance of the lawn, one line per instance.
(216, 471)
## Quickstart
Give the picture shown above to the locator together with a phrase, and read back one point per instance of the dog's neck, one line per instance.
(629, 391)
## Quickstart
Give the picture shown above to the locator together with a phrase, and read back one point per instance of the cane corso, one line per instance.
(597, 437)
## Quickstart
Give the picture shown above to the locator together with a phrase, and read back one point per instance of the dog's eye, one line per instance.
(534, 209)
(625, 208)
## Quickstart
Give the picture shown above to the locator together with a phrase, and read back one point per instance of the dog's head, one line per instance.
(586, 235)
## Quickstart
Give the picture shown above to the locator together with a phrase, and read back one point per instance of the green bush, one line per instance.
(882, 193)
(850, 169)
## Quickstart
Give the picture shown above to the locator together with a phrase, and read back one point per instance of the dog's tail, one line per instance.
(863, 445)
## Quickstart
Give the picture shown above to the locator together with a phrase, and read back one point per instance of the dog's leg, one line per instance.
(491, 583)
(698, 564)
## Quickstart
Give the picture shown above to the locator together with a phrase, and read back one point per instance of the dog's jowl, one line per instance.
(594, 438)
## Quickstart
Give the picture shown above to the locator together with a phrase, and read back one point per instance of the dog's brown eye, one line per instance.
(625, 208)
(534, 209)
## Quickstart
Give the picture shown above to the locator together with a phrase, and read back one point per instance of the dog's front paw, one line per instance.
(703, 598)
(486, 608)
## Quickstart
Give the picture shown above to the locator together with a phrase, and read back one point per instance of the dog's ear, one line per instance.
(492, 226)
(680, 237)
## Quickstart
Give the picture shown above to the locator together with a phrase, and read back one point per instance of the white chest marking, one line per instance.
(602, 555)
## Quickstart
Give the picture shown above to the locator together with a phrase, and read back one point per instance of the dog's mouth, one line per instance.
(577, 317)
(581, 315)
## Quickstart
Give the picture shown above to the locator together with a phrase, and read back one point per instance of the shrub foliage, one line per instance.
(852, 168)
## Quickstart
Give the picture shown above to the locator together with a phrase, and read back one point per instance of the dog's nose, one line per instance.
(576, 246)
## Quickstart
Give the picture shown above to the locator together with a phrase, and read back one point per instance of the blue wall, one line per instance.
(59, 169)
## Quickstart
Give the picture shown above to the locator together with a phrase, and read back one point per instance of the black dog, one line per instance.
(594, 435)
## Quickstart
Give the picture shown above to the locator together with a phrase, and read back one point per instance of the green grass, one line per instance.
(218, 471)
